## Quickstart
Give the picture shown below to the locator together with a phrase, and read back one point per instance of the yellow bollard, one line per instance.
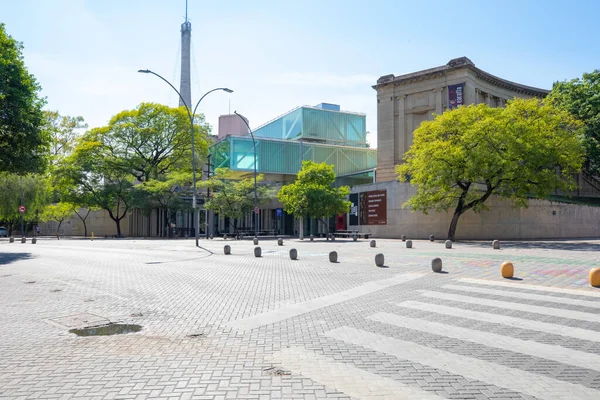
(595, 277)
(507, 270)
(92, 236)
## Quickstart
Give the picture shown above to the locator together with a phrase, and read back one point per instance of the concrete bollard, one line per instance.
(293, 254)
(333, 257)
(594, 276)
(23, 240)
(448, 244)
(312, 237)
(227, 249)
(211, 237)
(373, 243)
(33, 240)
(403, 238)
(11, 240)
(225, 237)
(280, 241)
(255, 240)
(354, 237)
(496, 245)
(431, 238)
(379, 260)
(332, 237)
(257, 252)
(409, 244)
(436, 264)
(507, 270)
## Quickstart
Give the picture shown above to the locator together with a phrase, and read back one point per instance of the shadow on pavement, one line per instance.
(8, 258)
(554, 245)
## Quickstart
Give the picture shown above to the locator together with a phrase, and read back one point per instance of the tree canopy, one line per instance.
(154, 139)
(581, 97)
(464, 156)
(313, 193)
(23, 144)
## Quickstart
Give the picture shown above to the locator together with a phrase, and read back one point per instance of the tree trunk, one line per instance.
(301, 228)
(118, 222)
(454, 223)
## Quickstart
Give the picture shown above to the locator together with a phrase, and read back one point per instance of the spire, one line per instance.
(185, 87)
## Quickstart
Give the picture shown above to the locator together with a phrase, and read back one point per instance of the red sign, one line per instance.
(22, 209)
(256, 210)
(373, 207)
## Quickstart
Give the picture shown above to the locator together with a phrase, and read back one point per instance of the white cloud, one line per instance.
(322, 79)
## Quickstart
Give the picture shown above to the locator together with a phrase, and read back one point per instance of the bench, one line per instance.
(349, 234)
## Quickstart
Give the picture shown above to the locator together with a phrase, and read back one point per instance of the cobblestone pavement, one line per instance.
(240, 327)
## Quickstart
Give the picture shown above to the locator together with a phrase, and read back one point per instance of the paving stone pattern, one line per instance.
(240, 327)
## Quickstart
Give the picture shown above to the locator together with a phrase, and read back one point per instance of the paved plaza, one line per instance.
(217, 326)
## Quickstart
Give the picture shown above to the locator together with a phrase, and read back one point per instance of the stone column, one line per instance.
(438, 100)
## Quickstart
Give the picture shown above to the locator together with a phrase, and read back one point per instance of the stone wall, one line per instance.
(541, 220)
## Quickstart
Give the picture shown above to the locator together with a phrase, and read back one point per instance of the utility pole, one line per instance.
(22, 225)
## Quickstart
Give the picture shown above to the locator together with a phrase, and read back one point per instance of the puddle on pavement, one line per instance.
(106, 330)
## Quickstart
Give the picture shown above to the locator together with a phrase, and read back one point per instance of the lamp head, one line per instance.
(144, 71)
(227, 90)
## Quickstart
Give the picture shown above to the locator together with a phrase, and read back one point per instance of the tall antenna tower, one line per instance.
(185, 87)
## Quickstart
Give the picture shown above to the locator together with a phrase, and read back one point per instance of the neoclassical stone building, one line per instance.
(404, 101)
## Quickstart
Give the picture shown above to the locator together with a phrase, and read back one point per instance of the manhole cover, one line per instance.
(106, 330)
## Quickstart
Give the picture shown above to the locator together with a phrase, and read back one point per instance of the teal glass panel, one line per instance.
(286, 127)
(284, 157)
(333, 127)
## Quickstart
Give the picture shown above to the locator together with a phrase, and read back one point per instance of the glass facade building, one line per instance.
(321, 134)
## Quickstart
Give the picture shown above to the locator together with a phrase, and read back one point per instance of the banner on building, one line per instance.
(377, 207)
(368, 208)
(353, 220)
(456, 95)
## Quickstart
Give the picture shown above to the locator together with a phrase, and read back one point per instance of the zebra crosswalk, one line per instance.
(458, 300)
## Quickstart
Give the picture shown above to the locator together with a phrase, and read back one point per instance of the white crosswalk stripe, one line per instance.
(345, 378)
(549, 352)
(577, 333)
(549, 289)
(469, 367)
(556, 312)
(525, 296)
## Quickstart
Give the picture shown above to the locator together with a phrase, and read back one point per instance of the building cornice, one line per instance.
(457, 64)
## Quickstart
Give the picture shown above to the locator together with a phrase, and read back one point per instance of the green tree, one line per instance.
(154, 139)
(57, 212)
(313, 194)
(62, 131)
(23, 144)
(581, 97)
(167, 192)
(97, 178)
(233, 198)
(36, 194)
(464, 156)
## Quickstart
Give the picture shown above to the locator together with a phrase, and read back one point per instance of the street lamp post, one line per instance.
(255, 194)
(191, 115)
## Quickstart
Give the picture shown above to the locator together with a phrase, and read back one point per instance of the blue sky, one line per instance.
(277, 55)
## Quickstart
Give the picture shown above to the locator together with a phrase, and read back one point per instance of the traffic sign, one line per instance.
(22, 209)
(256, 210)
